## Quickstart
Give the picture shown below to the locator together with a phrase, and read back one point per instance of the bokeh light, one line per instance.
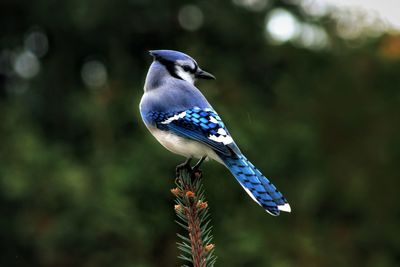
(26, 64)
(352, 24)
(190, 17)
(312, 37)
(281, 26)
(387, 10)
(94, 74)
(253, 5)
(314, 8)
(37, 43)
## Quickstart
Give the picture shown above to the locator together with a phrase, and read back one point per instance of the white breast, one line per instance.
(183, 146)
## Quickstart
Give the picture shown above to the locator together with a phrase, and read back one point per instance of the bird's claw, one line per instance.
(185, 165)
(196, 172)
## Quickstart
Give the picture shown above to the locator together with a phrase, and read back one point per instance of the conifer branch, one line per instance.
(193, 216)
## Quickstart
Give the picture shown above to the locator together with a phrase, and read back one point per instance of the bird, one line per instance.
(179, 116)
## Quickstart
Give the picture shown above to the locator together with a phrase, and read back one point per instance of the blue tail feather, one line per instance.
(256, 184)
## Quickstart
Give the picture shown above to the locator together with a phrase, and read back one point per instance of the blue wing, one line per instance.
(202, 125)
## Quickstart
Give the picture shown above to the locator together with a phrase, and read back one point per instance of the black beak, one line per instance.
(201, 74)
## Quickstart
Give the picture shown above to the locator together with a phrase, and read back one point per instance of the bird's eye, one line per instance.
(186, 68)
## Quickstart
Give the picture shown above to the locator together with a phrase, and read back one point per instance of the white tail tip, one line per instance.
(285, 207)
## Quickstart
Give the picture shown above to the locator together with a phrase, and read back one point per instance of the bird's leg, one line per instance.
(196, 170)
(184, 165)
(198, 164)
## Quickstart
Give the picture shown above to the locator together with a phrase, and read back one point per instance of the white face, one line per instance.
(185, 70)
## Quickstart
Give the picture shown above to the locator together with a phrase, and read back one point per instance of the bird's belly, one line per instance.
(183, 146)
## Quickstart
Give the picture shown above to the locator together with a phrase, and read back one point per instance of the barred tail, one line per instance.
(260, 189)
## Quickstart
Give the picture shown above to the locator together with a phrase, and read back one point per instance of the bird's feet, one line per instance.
(195, 171)
(182, 166)
(196, 168)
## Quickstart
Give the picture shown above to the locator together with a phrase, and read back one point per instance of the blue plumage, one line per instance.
(198, 124)
(182, 120)
(170, 55)
(263, 191)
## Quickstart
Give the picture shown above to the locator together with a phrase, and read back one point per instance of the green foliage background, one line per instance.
(82, 182)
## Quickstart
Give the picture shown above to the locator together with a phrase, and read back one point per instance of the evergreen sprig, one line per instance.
(193, 216)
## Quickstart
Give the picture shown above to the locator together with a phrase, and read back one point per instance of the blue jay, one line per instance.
(182, 120)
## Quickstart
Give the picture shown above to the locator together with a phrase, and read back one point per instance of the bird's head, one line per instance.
(180, 65)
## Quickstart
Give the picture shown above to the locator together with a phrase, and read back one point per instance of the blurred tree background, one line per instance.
(310, 94)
